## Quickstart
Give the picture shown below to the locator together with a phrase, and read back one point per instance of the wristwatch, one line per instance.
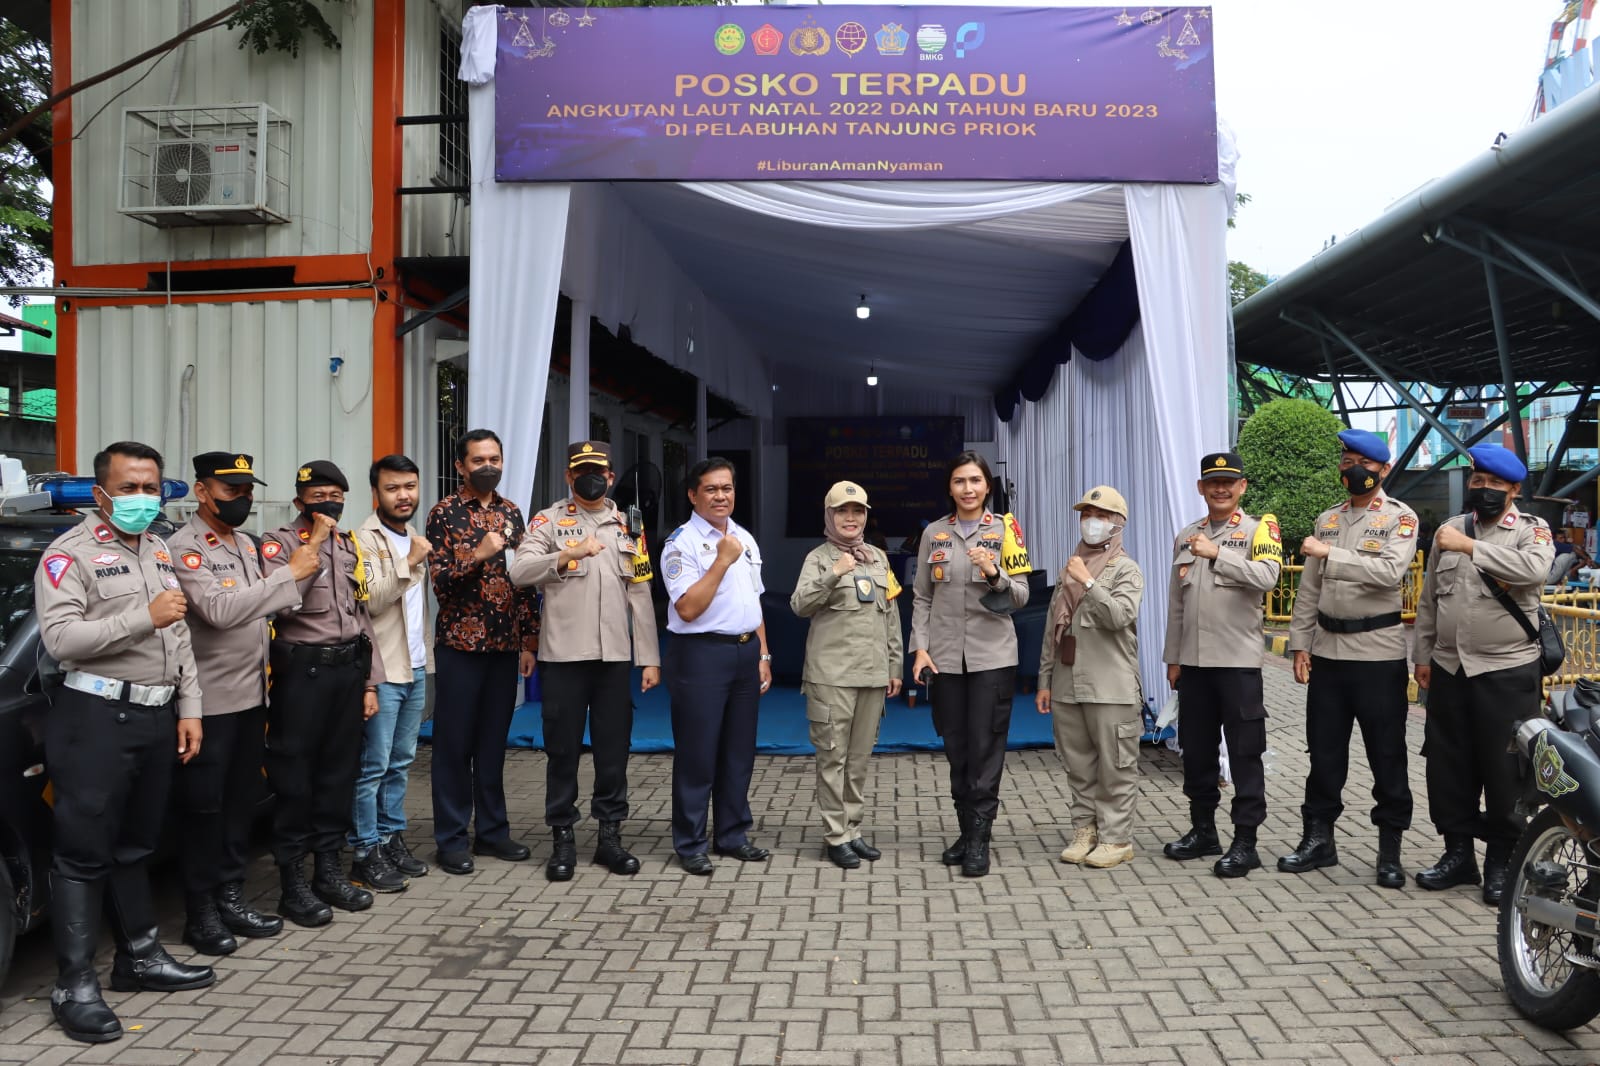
(765, 657)
(1087, 585)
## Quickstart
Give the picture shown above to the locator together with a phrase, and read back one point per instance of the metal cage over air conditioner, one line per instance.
(205, 166)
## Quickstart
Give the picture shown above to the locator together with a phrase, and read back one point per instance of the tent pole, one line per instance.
(578, 374)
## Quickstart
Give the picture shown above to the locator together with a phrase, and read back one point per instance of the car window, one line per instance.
(16, 590)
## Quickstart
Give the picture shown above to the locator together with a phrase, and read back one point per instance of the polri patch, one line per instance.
(55, 566)
(191, 559)
(1407, 527)
(1541, 535)
(272, 549)
(540, 521)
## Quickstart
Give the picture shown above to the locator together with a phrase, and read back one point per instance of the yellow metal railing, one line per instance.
(1579, 626)
(1280, 598)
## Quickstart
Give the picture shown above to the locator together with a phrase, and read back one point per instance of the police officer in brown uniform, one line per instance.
(1350, 647)
(973, 574)
(219, 572)
(595, 574)
(110, 610)
(1480, 668)
(324, 685)
(1222, 567)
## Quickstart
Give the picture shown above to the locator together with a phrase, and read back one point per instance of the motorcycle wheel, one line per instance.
(1544, 986)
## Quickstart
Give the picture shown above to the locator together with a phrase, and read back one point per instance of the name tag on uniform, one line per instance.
(864, 591)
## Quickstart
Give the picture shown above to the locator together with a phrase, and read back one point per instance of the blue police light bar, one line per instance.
(68, 492)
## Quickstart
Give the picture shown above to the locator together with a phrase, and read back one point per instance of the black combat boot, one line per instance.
(241, 918)
(956, 853)
(1496, 871)
(610, 853)
(297, 903)
(563, 861)
(1390, 875)
(141, 961)
(975, 857)
(75, 924)
(331, 886)
(202, 927)
(1201, 839)
(1316, 849)
(1457, 866)
(1241, 857)
(372, 869)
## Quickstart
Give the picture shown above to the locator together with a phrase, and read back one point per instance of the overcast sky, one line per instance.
(1342, 108)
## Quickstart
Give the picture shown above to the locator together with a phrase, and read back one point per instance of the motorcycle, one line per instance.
(1549, 917)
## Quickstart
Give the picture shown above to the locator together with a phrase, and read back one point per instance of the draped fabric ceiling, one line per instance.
(966, 281)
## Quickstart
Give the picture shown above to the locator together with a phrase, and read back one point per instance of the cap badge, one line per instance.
(1095, 495)
(587, 448)
(241, 463)
(1220, 461)
(304, 475)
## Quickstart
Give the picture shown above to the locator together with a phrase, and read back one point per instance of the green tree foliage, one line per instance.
(282, 25)
(1290, 450)
(24, 160)
(1244, 281)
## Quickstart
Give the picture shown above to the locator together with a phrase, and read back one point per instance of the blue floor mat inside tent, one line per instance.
(782, 728)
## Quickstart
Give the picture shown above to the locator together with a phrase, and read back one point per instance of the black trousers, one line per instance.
(110, 765)
(1466, 742)
(475, 695)
(1344, 693)
(313, 753)
(218, 791)
(972, 712)
(1216, 702)
(576, 693)
(716, 696)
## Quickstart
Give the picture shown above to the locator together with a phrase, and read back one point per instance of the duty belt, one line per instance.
(328, 654)
(722, 638)
(1358, 625)
(109, 688)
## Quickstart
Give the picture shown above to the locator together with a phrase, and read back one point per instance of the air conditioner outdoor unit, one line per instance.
(205, 166)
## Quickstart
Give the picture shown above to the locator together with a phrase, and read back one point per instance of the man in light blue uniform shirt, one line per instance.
(717, 668)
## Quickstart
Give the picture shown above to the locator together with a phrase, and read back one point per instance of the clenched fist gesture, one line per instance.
(729, 549)
(167, 608)
(491, 545)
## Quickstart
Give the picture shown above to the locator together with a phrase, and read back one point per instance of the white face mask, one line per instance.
(1096, 530)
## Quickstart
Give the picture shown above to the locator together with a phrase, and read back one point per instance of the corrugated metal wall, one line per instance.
(261, 385)
(326, 94)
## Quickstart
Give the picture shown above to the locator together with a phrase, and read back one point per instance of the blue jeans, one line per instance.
(388, 747)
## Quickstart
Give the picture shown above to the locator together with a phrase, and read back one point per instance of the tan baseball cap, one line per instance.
(844, 492)
(1104, 497)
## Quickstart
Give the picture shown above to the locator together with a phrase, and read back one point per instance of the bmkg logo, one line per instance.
(931, 38)
(968, 38)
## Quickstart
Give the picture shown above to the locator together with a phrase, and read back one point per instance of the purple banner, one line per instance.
(855, 93)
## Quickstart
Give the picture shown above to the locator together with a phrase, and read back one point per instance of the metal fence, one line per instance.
(1280, 598)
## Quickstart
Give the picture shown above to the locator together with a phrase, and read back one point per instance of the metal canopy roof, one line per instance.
(1412, 290)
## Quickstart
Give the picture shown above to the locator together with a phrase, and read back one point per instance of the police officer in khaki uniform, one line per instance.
(1480, 668)
(324, 685)
(973, 575)
(1350, 647)
(853, 662)
(595, 574)
(220, 574)
(1222, 567)
(109, 609)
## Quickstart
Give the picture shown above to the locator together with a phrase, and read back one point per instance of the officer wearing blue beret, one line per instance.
(1481, 668)
(1350, 649)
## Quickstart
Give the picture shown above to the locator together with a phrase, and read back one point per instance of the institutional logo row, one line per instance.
(811, 39)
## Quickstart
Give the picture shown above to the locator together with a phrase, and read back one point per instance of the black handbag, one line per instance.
(1552, 652)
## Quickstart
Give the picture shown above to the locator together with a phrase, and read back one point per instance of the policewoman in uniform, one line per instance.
(717, 669)
(1089, 681)
(1222, 567)
(219, 572)
(1350, 649)
(324, 686)
(973, 574)
(595, 574)
(1480, 668)
(853, 662)
(110, 610)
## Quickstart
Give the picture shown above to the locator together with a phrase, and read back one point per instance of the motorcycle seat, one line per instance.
(1580, 706)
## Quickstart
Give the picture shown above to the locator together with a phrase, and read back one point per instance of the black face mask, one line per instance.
(1487, 504)
(589, 487)
(232, 513)
(1358, 480)
(484, 479)
(334, 509)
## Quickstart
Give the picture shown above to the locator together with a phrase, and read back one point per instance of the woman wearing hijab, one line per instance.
(852, 662)
(973, 574)
(1089, 682)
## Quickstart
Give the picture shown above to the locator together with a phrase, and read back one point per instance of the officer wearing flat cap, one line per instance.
(230, 600)
(1480, 666)
(1350, 649)
(324, 686)
(594, 571)
(1222, 567)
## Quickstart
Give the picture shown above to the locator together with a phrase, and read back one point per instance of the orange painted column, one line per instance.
(61, 219)
(388, 101)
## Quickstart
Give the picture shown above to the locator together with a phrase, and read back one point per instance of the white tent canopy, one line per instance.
(729, 280)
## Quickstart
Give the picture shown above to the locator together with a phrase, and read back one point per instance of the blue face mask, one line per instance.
(133, 514)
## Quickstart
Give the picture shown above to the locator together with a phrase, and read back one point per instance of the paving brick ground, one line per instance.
(903, 961)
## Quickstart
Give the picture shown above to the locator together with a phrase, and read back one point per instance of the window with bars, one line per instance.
(454, 162)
